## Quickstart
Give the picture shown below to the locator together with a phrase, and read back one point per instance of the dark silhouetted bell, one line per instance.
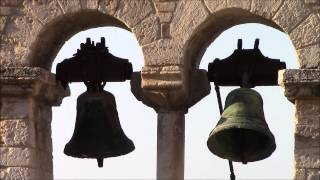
(98, 133)
(242, 134)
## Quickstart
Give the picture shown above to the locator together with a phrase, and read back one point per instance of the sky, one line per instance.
(139, 122)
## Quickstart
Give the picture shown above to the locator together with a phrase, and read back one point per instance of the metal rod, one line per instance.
(170, 145)
(232, 176)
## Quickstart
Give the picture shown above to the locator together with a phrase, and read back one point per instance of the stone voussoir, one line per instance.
(188, 16)
(290, 14)
(133, 12)
(308, 32)
(215, 5)
(265, 8)
(243, 4)
(309, 57)
(148, 30)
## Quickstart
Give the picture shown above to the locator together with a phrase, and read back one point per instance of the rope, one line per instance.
(232, 176)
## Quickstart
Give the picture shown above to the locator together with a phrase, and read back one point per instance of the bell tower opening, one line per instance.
(135, 118)
(278, 111)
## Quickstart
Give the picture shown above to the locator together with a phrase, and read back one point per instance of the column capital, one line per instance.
(170, 88)
(31, 81)
(300, 83)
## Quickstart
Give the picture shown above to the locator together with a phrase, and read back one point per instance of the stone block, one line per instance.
(148, 30)
(7, 11)
(300, 174)
(307, 158)
(309, 56)
(243, 4)
(18, 156)
(165, 30)
(10, 2)
(307, 109)
(89, 4)
(69, 6)
(3, 22)
(17, 133)
(165, 6)
(302, 142)
(108, 6)
(161, 52)
(133, 12)
(313, 174)
(165, 17)
(18, 173)
(215, 5)
(43, 12)
(307, 33)
(290, 14)
(187, 17)
(14, 108)
(265, 8)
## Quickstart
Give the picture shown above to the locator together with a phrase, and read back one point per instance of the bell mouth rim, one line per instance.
(91, 155)
(263, 154)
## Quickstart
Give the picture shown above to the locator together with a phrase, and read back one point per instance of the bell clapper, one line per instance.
(100, 162)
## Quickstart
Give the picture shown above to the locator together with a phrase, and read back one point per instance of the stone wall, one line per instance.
(173, 35)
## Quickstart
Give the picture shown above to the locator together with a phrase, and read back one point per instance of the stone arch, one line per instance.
(213, 26)
(62, 28)
(35, 34)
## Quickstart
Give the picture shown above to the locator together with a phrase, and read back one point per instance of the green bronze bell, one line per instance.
(242, 134)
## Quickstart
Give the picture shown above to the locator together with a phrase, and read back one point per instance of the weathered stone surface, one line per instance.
(165, 6)
(307, 158)
(36, 82)
(308, 32)
(43, 12)
(215, 5)
(188, 16)
(309, 57)
(307, 108)
(3, 22)
(165, 31)
(290, 14)
(265, 8)
(6, 11)
(148, 30)
(69, 6)
(17, 133)
(133, 12)
(165, 17)
(10, 2)
(299, 174)
(313, 174)
(299, 76)
(15, 156)
(243, 4)
(108, 6)
(300, 84)
(15, 108)
(89, 4)
(302, 142)
(15, 173)
(310, 130)
(162, 52)
(19, 33)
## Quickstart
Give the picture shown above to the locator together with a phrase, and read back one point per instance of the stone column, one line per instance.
(170, 92)
(170, 145)
(302, 87)
(27, 95)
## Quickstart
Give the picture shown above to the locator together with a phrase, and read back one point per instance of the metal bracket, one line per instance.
(245, 68)
(93, 63)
